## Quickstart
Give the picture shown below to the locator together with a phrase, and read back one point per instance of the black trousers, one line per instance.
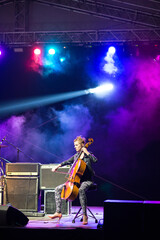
(82, 196)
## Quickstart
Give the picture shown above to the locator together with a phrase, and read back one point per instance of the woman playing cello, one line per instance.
(86, 179)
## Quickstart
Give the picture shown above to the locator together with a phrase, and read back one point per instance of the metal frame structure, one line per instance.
(80, 37)
(21, 9)
(110, 11)
(145, 22)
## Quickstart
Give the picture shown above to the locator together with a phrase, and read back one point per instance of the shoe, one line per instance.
(85, 220)
(56, 215)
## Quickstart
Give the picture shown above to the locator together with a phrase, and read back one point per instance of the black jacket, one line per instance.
(88, 159)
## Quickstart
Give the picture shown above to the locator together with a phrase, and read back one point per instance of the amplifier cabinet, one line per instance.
(49, 179)
(22, 193)
(50, 205)
(22, 169)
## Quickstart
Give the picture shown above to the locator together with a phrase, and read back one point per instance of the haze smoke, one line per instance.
(137, 123)
(45, 144)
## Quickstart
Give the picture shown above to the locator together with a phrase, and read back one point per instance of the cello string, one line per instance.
(75, 160)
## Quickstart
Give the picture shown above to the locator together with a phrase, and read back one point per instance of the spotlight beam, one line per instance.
(27, 104)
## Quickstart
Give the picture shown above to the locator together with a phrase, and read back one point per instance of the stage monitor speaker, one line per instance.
(22, 169)
(49, 179)
(10, 216)
(131, 219)
(22, 193)
(151, 218)
(50, 205)
(123, 218)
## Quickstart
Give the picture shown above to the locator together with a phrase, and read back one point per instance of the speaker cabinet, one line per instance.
(123, 218)
(151, 218)
(10, 216)
(22, 193)
(22, 169)
(49, 179)
(50, 205)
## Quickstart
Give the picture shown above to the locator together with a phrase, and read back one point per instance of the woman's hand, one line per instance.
(83, 149)
(54, 169)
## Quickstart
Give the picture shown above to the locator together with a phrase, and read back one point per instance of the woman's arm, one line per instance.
(90, 155)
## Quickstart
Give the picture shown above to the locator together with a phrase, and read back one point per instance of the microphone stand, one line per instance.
(18, 151)
(5, 160)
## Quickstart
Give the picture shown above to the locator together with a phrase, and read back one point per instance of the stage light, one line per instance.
(111, 50)
(0, 52)
(109, 66)
(102, 89)
(51, 51)
(62, 59)
(37, 51)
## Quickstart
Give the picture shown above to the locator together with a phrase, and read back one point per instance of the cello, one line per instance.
(71, 187)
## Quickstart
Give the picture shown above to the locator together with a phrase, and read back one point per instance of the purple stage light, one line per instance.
(109, 66)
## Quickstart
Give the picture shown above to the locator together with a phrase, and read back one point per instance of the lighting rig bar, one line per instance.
(80, 37)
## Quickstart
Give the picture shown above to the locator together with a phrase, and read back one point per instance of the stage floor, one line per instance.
(66, 221)
(45, 228)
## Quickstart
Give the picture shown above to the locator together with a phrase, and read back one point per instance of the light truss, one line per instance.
(150, 21)
(21, 10)
(5, 2)
(109, 11)
(79, 37)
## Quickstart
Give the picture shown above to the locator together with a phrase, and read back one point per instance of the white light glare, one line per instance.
(102, 88)
(111, 50)
(51, 51)
(37, 51)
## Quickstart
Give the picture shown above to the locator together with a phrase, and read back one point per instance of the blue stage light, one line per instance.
(62, 59)
(51, 51)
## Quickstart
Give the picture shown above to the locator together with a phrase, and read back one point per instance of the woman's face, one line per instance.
(78, 145)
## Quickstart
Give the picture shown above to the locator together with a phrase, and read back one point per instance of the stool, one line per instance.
(93, 187)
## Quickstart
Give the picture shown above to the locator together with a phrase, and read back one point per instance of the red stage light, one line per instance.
(37, 51)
